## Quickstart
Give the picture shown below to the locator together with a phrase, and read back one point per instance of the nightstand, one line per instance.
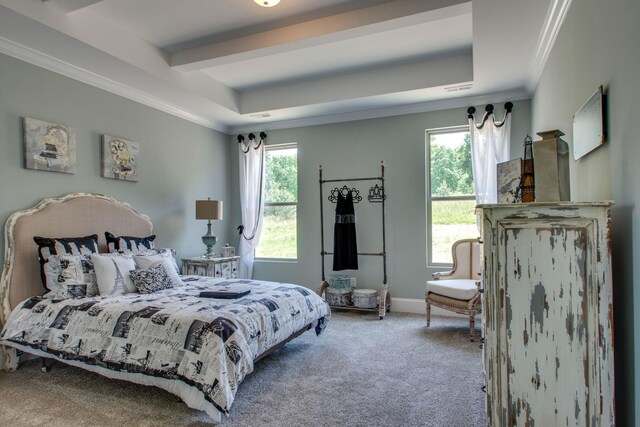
(226, 267)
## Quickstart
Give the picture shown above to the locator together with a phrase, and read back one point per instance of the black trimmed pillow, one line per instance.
(128, 244)
(48, 246)
(152, 279)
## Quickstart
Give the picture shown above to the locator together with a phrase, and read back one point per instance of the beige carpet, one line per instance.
(360, 372)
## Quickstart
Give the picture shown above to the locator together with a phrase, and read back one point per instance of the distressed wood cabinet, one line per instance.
(226, 267)
(548, 315)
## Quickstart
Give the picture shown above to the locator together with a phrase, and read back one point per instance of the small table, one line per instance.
(223, 267)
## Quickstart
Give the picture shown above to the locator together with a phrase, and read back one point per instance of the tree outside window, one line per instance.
(450, 195)
(278, 238)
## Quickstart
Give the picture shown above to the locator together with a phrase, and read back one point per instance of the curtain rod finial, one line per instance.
(508, 106)
(470, 112)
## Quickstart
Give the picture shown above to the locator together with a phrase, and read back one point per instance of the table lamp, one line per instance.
(209, 210)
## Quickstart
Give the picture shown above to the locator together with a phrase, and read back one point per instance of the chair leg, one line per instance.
(472, 324)
(428, 311)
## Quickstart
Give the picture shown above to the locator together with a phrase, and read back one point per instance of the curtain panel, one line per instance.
(490, 145)
(252, 184)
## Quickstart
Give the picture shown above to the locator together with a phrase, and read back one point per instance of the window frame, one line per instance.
(277, 147)
(429, 199)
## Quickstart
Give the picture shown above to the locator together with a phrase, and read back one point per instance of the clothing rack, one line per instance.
(376, 195)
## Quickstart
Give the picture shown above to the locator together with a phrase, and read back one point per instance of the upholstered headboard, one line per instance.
(72, 215)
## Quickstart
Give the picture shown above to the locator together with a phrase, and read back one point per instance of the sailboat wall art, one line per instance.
(49, 146)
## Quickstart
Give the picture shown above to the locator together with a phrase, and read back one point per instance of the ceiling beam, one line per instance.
(69, 6)
(358, 23)
(393, 79)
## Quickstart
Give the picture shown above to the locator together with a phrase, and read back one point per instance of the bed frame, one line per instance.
(71, 215)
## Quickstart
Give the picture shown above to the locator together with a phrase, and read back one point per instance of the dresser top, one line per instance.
(212, 259)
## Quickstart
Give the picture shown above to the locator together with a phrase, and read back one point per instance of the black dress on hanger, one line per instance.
(345, 249)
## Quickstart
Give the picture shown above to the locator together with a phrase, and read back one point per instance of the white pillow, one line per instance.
(147, 261)
(168, 252)
(70, 276)
(113, 274)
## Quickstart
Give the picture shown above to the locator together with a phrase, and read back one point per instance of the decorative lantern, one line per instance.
(526, 189)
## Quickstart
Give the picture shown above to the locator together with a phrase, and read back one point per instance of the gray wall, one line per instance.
(180, 161)
(355, 149)
(598, 44)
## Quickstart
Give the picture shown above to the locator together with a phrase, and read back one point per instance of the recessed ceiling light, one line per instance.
(267, 3)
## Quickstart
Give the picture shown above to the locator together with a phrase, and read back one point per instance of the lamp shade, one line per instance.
(208, 209)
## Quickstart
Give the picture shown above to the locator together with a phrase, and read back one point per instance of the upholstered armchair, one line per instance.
(458, 290)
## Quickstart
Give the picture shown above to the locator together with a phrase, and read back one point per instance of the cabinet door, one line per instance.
(548, 322)
(194, 268)
(234, 269)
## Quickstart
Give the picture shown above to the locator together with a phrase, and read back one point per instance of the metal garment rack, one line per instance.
(376, 195)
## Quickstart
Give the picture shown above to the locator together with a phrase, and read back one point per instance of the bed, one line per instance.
(195, 347)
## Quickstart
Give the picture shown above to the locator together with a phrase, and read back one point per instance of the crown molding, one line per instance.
(556, 14)
(423, 107)
(66, 69)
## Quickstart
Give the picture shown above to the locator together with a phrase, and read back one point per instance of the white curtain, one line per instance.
(251, 157)
(490, 145)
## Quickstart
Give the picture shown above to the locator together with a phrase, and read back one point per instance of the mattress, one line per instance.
(198, 348)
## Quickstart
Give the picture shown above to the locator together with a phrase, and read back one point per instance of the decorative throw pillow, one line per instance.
(164, 257)
(113, 273)
(127, 244)
(168, 252)
(152, 279)
(48, 246)
(70, 276)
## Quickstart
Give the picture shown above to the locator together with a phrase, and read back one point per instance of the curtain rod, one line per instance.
(488, 111)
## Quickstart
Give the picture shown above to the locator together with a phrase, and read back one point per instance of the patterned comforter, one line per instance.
(207, 343)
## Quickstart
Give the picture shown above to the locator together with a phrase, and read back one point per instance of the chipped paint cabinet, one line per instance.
(547, 307)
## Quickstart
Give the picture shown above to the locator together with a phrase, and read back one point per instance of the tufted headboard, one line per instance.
(72, 215)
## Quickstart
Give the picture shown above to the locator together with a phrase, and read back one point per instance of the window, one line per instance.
(278, 238)
(450, 197)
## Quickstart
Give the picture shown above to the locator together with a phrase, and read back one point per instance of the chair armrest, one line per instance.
(451, 274)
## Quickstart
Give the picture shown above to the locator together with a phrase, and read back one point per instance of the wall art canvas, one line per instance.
(509, 173)
(49, 146)
(120, 158)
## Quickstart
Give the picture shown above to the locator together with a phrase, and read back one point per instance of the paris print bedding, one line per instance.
(207, 343)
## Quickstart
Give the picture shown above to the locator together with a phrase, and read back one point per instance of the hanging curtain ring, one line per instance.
(252, 143)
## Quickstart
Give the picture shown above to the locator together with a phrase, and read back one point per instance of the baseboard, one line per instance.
(417, 306)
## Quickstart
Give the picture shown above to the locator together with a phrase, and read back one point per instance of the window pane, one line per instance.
(281, 175)
(451, 164)
(278, 237)
(451, 220)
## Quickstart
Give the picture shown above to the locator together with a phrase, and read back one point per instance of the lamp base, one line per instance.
(209, 241)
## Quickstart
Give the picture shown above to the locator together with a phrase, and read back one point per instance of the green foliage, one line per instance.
(451, 220)
(278, 236)
(281, 177)
(451, 169)
(453, 212)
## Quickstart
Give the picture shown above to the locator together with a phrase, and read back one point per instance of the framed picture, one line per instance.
(120, 158)
(49, 146)
(509, 174)
(588, 125)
